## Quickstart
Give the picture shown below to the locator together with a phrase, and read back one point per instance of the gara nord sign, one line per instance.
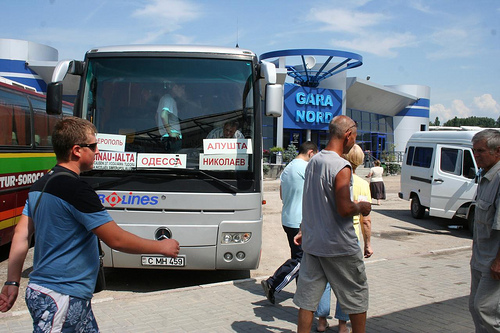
(310, 108)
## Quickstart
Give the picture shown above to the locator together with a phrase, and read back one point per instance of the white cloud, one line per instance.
(451, 43)
(381, 45)
(460, 109)
(169, 11)
(165, 17)
(345, 20)
(486, 103)
(420, 6)
(457, 109)
(360, 31)
(442, 112)
(482, 106)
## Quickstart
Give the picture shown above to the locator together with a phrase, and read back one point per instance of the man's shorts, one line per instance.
(55, 312)
(347, 278)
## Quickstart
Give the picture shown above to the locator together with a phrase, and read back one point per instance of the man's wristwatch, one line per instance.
(11, 283)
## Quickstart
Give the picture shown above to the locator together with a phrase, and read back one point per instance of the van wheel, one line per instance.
(417, 210)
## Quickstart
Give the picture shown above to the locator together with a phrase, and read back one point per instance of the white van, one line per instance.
(439, 175)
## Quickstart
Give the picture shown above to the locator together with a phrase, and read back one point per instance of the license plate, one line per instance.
(163, 261)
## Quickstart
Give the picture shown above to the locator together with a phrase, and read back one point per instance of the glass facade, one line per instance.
(375, 132)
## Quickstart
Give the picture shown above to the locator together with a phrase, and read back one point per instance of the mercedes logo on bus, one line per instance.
(163, 233)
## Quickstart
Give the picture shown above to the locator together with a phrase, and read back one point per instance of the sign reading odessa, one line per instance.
(153, 161)
(310, 108)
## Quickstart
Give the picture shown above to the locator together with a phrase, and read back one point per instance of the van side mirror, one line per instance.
(54, 98)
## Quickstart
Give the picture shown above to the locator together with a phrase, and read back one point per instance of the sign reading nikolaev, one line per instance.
(310, 108)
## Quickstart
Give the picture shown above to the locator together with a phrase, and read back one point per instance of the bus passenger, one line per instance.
(229, 131)
(167, 118)
(66, 216)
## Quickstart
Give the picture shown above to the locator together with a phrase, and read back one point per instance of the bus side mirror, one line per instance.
(54, 98)
(274, 100)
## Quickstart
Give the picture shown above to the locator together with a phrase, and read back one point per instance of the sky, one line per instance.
(452, 46)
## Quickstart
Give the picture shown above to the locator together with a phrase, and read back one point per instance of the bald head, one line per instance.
(340, 125)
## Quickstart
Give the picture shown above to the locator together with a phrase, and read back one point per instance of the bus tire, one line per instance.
(417, 210)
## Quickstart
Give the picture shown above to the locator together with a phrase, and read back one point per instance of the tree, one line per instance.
(472, 121)
(436, 122)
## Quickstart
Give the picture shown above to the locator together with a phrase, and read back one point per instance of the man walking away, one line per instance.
(291, 188)
(331, 250)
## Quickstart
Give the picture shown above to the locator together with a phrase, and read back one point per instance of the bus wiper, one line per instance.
(231, 187)
(106, 184)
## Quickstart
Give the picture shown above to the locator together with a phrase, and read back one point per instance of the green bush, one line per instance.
(276, 149)
(392, 169)
(290, 153)
(266, 169)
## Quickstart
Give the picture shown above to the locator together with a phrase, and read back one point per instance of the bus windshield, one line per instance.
(169, 113)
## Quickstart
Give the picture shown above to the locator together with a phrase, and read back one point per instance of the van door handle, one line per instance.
(439, 180)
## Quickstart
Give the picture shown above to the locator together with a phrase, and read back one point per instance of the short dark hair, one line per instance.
(68, 132)
(232, 123)
(306, 146)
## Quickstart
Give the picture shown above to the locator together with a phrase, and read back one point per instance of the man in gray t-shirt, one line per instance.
(331, 250)
(485, 262)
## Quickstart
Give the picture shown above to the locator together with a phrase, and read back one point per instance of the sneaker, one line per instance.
(268, 291)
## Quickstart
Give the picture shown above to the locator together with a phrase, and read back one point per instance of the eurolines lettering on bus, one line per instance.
(128, 199)
(180, 147)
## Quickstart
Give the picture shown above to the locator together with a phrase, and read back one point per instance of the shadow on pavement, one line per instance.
(446, 316)
(149, 280)
(428, 225)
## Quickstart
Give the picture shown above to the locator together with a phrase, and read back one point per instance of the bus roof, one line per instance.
(172, 48)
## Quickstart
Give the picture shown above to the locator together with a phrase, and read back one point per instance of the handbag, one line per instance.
(101, 278)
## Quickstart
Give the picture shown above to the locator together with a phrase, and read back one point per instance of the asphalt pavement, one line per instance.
(418, 278)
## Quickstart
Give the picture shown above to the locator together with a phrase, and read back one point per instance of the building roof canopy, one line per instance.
(364, 95)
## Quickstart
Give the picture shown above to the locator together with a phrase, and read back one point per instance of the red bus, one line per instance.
(25, 149)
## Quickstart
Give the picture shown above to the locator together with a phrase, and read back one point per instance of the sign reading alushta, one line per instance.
(310, 108)
(225, 154)
(162, 161)
(227, 146)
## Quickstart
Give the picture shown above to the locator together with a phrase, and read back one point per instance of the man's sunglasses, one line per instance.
(355, 125)
(91, 146)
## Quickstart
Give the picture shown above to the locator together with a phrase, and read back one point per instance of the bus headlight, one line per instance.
(236, 237)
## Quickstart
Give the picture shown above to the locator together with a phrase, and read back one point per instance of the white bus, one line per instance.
(174, 176)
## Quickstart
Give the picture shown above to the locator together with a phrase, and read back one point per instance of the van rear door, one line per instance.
(453, 182)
